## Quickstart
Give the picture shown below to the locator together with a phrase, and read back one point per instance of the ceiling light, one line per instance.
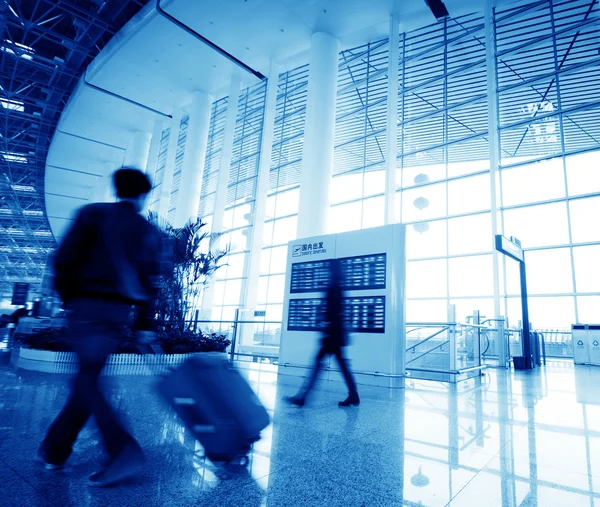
(23, 188)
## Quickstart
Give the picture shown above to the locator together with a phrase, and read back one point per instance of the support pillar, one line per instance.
(167, 177)
(157, 131)
(262, 190)
(392, 123)
(223, 182)
(317, 161)
(190, 185)
(494, 142)
(137, 152)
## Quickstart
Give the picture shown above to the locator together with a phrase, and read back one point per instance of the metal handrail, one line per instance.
(451, 372)
(429, 351)
(427, 339)
(356, 372)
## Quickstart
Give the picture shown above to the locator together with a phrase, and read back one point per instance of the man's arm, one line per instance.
(70, 255)
(152, 271)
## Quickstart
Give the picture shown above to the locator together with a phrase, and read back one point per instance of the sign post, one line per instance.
(511, 247)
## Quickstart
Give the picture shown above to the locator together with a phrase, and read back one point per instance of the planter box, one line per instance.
(118, 364)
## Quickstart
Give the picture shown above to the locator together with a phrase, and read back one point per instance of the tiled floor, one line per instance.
(506, 440)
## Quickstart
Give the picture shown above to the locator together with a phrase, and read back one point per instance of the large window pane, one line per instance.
(466, 307)
(552, 312)
(373, 212)
(583, 173)
(587, 269)
(346, 187)
(544, 225)
(469, 195)
(431, 243)
(235, 265)
(374, 183)
(426, 279)
(588, 309)
(424, 203)
(233, 290)
(585, 225)
(433, 310)
(287, 203)
(276, 289)
(470, 234)
(541, 181)
(345, 217)
(284, 230)
(549, 271)
(471, 276)
(278, 259)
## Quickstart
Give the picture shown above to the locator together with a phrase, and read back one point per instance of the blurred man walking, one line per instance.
(108, 262)
(335, 338)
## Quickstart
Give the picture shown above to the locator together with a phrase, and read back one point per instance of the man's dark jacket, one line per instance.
(111, 252)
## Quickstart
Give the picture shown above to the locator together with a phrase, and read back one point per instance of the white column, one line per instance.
(157, 131)
(194, 157)
(223, 182)
(167, 179)
(262, 190)
(317, 161)
(138, 149)
(494, 144)
(392, 123)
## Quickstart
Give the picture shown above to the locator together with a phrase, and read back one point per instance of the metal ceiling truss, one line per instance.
(45, 47)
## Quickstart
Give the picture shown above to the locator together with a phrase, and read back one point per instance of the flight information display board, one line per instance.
(309, 276)
(365, 314)
(361, 314)
(365, 272)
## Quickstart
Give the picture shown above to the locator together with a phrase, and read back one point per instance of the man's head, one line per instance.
(132, 185)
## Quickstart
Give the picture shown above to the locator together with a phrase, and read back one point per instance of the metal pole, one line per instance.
(526, 339)
(502, 344)
(234, 333)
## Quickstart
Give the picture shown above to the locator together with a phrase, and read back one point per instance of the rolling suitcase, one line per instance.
(218, 406)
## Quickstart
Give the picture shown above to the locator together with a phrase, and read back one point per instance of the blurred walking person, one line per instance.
(107, 263)
(335, 338)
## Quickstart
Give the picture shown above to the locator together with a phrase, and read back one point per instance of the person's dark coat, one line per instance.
(111, 252)
(335, 334)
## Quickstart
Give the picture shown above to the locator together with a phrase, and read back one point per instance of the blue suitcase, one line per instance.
(217, 405)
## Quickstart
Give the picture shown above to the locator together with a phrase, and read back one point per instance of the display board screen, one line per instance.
(361, 314)
(365, 272)
(309, 276)
(365, 314)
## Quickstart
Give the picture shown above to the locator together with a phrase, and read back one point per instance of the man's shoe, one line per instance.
(352, 399)
(40, 458)
(124, 466)
(296, 400)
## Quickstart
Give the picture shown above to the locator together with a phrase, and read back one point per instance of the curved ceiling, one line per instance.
(45, 45)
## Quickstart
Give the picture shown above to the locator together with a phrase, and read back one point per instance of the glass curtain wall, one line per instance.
(443, 169)
(284, 190)
(212, 164)
(358, 185)
(238, 219)
(548, 69)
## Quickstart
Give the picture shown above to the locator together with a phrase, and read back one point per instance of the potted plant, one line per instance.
(189, 264)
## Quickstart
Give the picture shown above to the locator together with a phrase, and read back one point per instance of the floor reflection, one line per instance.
(505, 439)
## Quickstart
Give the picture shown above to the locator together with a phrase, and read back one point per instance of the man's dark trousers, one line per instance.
(96, 329)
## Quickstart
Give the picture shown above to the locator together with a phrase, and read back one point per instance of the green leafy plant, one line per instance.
(171, 342)
(189, 264)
